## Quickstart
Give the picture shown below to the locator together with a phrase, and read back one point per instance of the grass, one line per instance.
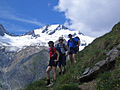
(70, 86)
(37, 85)
(87, 58)
(109, 81)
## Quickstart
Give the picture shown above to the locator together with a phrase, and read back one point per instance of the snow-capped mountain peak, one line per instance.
(51, 29)
(41, 37)
(2, 30)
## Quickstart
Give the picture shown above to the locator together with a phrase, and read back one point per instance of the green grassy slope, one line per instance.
(93, 53)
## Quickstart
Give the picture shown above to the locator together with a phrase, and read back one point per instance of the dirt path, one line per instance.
(88, 85)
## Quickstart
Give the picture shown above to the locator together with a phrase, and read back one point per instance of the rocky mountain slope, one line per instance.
(18, 69)
(97, 67)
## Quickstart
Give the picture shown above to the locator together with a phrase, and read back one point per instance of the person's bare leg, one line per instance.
(74, 58)
(48, 74)
(54, 73)
(70, 56)
(63, 70)
(60, 70)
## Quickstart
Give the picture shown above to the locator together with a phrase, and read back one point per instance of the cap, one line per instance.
(50, 42)
(70, 35)
(60, 38)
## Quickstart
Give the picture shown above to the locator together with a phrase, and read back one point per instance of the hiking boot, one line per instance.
(64, 71)
(50, 85)
(59, 73)
(48, 82)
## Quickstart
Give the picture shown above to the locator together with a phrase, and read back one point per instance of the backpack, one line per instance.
(53, 54)
(77, 37)
(75, 42)
(59, 49)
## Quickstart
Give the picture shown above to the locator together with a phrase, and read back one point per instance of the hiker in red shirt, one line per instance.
(54, 57)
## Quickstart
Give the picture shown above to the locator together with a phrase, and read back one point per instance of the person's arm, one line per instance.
(78, 42)
(58, 55)
(68, 43)
(67, 50)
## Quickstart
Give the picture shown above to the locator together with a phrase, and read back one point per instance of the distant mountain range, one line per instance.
(40, 37)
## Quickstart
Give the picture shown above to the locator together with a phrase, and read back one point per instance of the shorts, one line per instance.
(73, 51)
(52, 63)
(62, 60)
(76, 49)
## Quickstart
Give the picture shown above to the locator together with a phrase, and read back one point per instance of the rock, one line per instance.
(2, 30)
(86, 71)
(101, 63)
(91, 73)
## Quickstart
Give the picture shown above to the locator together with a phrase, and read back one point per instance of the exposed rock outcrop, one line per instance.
(2, 30)
(91, 72)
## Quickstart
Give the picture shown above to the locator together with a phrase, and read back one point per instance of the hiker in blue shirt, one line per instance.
(73, 44)
(61, 48)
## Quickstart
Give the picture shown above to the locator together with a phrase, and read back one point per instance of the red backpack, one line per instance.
(52, 53)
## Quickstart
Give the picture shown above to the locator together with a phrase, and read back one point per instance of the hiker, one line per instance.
(73, 44)
(54, 57)
(61, 48)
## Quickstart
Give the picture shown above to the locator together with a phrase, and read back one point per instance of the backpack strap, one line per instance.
(71, 41)
(76, 43)
(68, 43)
(58, 47)
(64, 47)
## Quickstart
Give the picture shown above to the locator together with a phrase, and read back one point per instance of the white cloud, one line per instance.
(92, 17)
(31, 21)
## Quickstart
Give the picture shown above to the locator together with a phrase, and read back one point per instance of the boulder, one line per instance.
(91, 72)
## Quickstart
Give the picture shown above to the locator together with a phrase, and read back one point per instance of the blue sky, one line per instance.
(20, 16)
(91, 17)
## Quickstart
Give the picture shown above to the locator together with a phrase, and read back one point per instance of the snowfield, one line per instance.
(40, 37)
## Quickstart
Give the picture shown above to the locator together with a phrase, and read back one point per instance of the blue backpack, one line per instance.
(74, 41)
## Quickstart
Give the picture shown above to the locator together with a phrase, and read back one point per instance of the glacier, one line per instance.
(40, 37)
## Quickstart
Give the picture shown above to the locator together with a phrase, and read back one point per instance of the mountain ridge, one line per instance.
(40, 37)
(2, 30)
